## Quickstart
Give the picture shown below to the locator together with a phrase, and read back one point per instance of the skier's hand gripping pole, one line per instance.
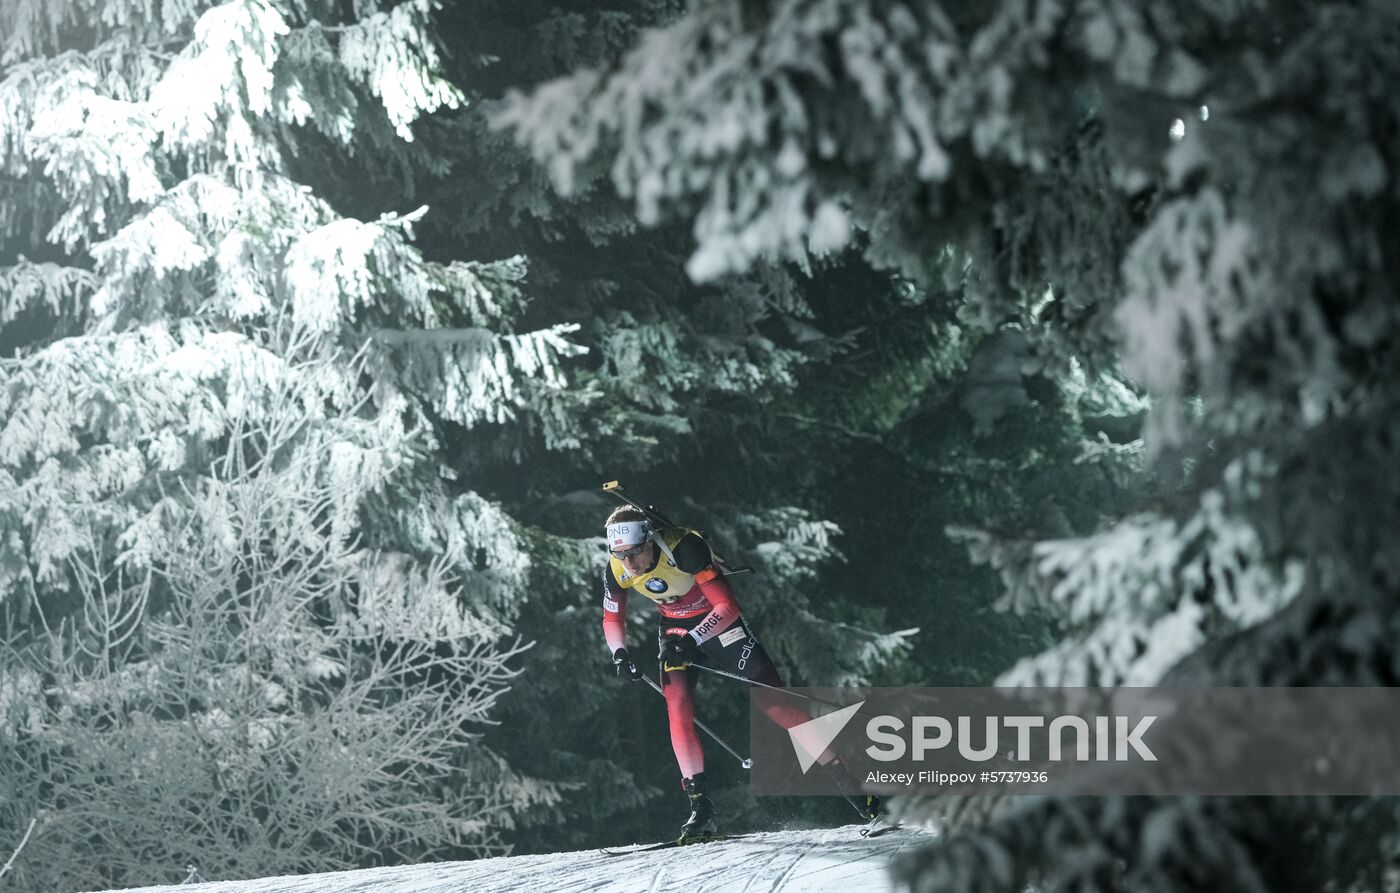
(625, 666)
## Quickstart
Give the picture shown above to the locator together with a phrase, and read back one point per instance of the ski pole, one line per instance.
(786, 691)
(743, 761)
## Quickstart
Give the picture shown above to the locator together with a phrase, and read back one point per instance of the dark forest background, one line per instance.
(1012, 343)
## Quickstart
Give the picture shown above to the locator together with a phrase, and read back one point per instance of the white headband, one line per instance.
(628, 533)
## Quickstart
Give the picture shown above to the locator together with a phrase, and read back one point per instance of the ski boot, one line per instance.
(867, 806)
(701, 824)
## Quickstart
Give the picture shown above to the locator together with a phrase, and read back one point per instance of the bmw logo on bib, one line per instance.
(656, 585)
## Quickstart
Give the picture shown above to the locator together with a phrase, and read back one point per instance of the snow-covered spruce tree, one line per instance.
(1201, 193)
(260, 690)
(218, 445)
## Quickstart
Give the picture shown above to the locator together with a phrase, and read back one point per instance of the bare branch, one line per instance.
(22, 842)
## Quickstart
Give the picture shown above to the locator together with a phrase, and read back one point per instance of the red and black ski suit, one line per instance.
(693, 599)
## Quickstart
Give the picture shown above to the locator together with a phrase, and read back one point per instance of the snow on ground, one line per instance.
(832, 860)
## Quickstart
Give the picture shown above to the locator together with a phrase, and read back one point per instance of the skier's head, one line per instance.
(629, 538)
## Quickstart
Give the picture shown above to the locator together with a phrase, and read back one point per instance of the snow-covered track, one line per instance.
(811, 861)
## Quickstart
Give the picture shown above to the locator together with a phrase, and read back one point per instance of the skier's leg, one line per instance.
(679, 688)
(787, 715)
(782, 711)
(680, 709)
(737, 650)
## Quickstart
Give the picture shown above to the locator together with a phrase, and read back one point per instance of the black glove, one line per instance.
(625, 667)
(678, 653)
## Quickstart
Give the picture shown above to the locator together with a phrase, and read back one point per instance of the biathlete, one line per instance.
(700, 622)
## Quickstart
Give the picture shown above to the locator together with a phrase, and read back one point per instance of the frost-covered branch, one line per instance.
(18, 849)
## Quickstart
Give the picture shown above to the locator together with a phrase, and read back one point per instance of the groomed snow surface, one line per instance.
(829, 860)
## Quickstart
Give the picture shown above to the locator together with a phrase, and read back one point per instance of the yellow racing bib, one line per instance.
(664, 583)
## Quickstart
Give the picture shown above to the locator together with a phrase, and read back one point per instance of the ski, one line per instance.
(669, 844)
(877, 827)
